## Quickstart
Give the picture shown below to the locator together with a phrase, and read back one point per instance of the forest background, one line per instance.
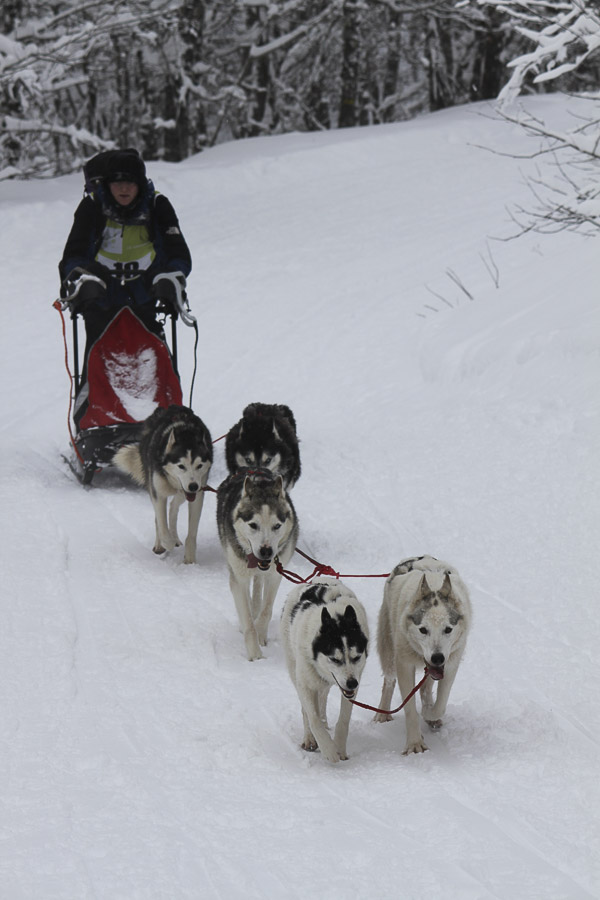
(173, 77)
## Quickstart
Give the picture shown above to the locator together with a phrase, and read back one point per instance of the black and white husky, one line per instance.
(258, 528)
(424, 621)
(265, 437)
(172, 459)
(325, 636)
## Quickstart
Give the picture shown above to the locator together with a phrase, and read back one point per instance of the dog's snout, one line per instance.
(352, 684)
(266, 552)
(438, 659)
(193, 487)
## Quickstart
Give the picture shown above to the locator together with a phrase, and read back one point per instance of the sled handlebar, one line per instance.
(69, 295)
(182, 307)
(178, 306)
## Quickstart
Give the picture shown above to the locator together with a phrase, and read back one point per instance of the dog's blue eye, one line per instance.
(423, 631)
(277, 527)
(268, 460)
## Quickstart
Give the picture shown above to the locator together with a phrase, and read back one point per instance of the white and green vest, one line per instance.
(125, 249)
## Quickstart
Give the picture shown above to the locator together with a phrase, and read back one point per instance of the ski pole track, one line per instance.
(557, 637)
(534, 874)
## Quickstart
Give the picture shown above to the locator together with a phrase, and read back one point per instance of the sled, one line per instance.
(130, 370)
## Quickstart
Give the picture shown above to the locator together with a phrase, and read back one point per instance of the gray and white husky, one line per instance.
(424, 621)
(266, 437)
(325, 635)
(172, 459)
(258, 528)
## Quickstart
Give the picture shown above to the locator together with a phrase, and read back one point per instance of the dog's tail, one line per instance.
(128, 459)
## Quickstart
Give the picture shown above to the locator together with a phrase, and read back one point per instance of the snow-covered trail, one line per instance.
(144, 757)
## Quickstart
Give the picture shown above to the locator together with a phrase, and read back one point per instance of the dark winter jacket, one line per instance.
(152, 210)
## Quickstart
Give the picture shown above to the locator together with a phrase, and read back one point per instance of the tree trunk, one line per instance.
(392, 66)
(349, 112)
(191, 122)
(440, 57)
(489, 71)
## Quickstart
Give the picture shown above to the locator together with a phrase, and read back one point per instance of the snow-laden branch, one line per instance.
(569, 196)
(565, 34)
(278, 43)
(76, 135)
(562, 47)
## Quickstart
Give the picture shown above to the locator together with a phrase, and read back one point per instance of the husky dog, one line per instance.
(325, 636)
(172, 459)
(265, 437)
(258, 528)
(424, 620)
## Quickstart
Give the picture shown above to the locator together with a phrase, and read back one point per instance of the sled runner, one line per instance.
(129, 371)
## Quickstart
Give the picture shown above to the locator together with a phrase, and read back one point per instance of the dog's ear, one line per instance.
(326, 620)
(170, 441)
(350, 615)
(446, 588)
(424, 589)
(275, 432)
(279, 486)
(248, 485)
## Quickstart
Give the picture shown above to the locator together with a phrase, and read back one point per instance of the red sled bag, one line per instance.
(129, 374)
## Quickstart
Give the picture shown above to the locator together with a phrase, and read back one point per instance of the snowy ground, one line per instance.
(143, 757)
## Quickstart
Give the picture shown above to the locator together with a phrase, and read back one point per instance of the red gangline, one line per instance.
(320, 569)
(390, 712)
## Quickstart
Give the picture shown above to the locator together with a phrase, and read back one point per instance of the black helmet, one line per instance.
(126, 165)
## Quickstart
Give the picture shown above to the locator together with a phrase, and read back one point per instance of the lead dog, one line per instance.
(424, 621)
(172, 459)
(258, 528)
(325, 636)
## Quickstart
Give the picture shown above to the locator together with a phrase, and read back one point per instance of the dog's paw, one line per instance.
(382, 717)
(189, 555)
(434, 724)
(331, 755)
(158, 549)
(253, 651)
(262, 637)
(310, 746)
(415, 747)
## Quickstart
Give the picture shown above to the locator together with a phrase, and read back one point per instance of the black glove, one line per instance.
(80, 291)
(164, 290)
(91, 268)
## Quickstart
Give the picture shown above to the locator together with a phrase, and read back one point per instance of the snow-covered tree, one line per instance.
(174, 76)
(564, 40)
(66, 71)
